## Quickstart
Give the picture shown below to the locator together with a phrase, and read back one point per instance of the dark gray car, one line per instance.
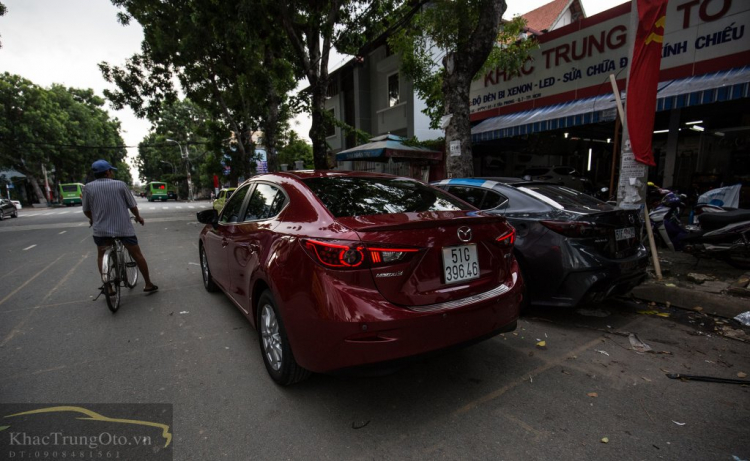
(7, 209)
(572, 248)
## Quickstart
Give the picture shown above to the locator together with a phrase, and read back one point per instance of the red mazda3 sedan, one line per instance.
(341, 269)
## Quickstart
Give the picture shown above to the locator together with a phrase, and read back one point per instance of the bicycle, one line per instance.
(118, 269)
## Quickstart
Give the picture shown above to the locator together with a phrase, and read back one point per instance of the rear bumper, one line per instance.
(72, 201)
(603, 278)
(354, 328)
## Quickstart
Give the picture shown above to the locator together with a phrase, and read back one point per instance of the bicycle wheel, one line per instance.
(131, 270)
(111, 280)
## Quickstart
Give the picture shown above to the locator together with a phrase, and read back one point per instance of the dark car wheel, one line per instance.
(2, 215)
(274, 344)
(208, 281)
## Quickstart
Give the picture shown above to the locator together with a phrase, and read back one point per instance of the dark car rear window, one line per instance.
(70, 188)
(345, 196)
(566, 197)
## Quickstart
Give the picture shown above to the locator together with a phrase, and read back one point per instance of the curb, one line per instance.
(714, 304)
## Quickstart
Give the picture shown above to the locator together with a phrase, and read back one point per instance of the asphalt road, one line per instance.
(501, 399)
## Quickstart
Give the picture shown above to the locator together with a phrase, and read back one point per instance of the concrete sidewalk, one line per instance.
(709, 286)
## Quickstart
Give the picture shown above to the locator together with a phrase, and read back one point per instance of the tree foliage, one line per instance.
(62, 129)
(161, 154)
(313, 29)
(466, 37)
(228, 58)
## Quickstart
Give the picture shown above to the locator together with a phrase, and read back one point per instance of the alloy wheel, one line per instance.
(269, 330)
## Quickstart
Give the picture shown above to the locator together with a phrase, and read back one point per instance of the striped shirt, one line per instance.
(108, 200)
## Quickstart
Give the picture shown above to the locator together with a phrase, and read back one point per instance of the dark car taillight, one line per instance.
(574, 229)
(340, 254)
(507, 240)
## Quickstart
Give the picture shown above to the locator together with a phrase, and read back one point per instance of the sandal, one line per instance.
(150, 290)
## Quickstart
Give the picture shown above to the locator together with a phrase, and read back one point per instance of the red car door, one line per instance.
(249, 246)
(218, 240)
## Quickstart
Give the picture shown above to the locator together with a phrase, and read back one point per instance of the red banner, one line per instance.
(644, 77)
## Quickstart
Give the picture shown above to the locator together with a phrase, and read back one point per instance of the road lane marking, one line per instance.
(20, 324)
(29, 281)
(62, 232)
(84, 239)
(165, 208)
(152, 208)
(28, 248)
(45, 214)
(191, 207)
(178, 207)
(64, 212)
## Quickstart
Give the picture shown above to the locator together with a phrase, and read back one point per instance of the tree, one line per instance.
(227, 58)
(189, 128)
(60, 129)
(469, 34)
(313, 28)
(296, 149)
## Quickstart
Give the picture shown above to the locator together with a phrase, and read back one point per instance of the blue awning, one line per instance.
(703, 89)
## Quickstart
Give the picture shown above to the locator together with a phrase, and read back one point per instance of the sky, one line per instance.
(62, 41)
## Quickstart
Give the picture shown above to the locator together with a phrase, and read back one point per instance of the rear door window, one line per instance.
(265, 202)
(493, 200)
(472, 195)
(231, 211)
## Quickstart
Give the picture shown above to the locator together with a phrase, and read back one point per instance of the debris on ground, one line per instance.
(744, 318)
(741, 375)
(593, 394)
(653, 312)
(679, 424)
(541, 345)
(700, 278)
(602, 352)
(593, 312)
(708, 379)
(605, 439)
(638, 345)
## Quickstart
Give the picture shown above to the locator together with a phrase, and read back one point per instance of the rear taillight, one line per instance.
(574, 229)
(355, 255)
(384, 256)
(336, 255)
(507, 240)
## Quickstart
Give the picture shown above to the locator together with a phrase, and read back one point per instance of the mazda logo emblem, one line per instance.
(464, 234)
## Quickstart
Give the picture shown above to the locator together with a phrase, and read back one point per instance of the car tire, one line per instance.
(2, 215)
(274, 344)
(208, 280)
(15, 214)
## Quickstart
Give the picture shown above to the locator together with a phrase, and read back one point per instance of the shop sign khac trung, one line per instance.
(574, 62)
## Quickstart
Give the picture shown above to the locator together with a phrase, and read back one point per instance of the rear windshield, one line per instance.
(371, 196)
(69, 188)
(566, 198)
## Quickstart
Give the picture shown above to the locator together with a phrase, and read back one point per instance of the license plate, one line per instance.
(625, 234)
(460, 263)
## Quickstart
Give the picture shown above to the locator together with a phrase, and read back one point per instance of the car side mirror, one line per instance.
(208, 217)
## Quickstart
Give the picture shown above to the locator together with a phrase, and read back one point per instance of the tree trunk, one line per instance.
(37, 189)
(460, 68)
(456, 86)
(318, 128)
(271, 129)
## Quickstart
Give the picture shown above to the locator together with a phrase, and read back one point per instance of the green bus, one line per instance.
(156, 191)
(71, 193)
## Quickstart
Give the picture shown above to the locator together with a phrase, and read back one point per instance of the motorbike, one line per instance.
(721, 235)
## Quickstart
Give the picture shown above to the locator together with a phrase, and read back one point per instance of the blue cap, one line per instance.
(100, 166)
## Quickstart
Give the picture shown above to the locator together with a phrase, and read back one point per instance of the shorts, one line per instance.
(107, 241)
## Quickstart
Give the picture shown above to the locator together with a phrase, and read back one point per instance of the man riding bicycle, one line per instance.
(106, 202)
